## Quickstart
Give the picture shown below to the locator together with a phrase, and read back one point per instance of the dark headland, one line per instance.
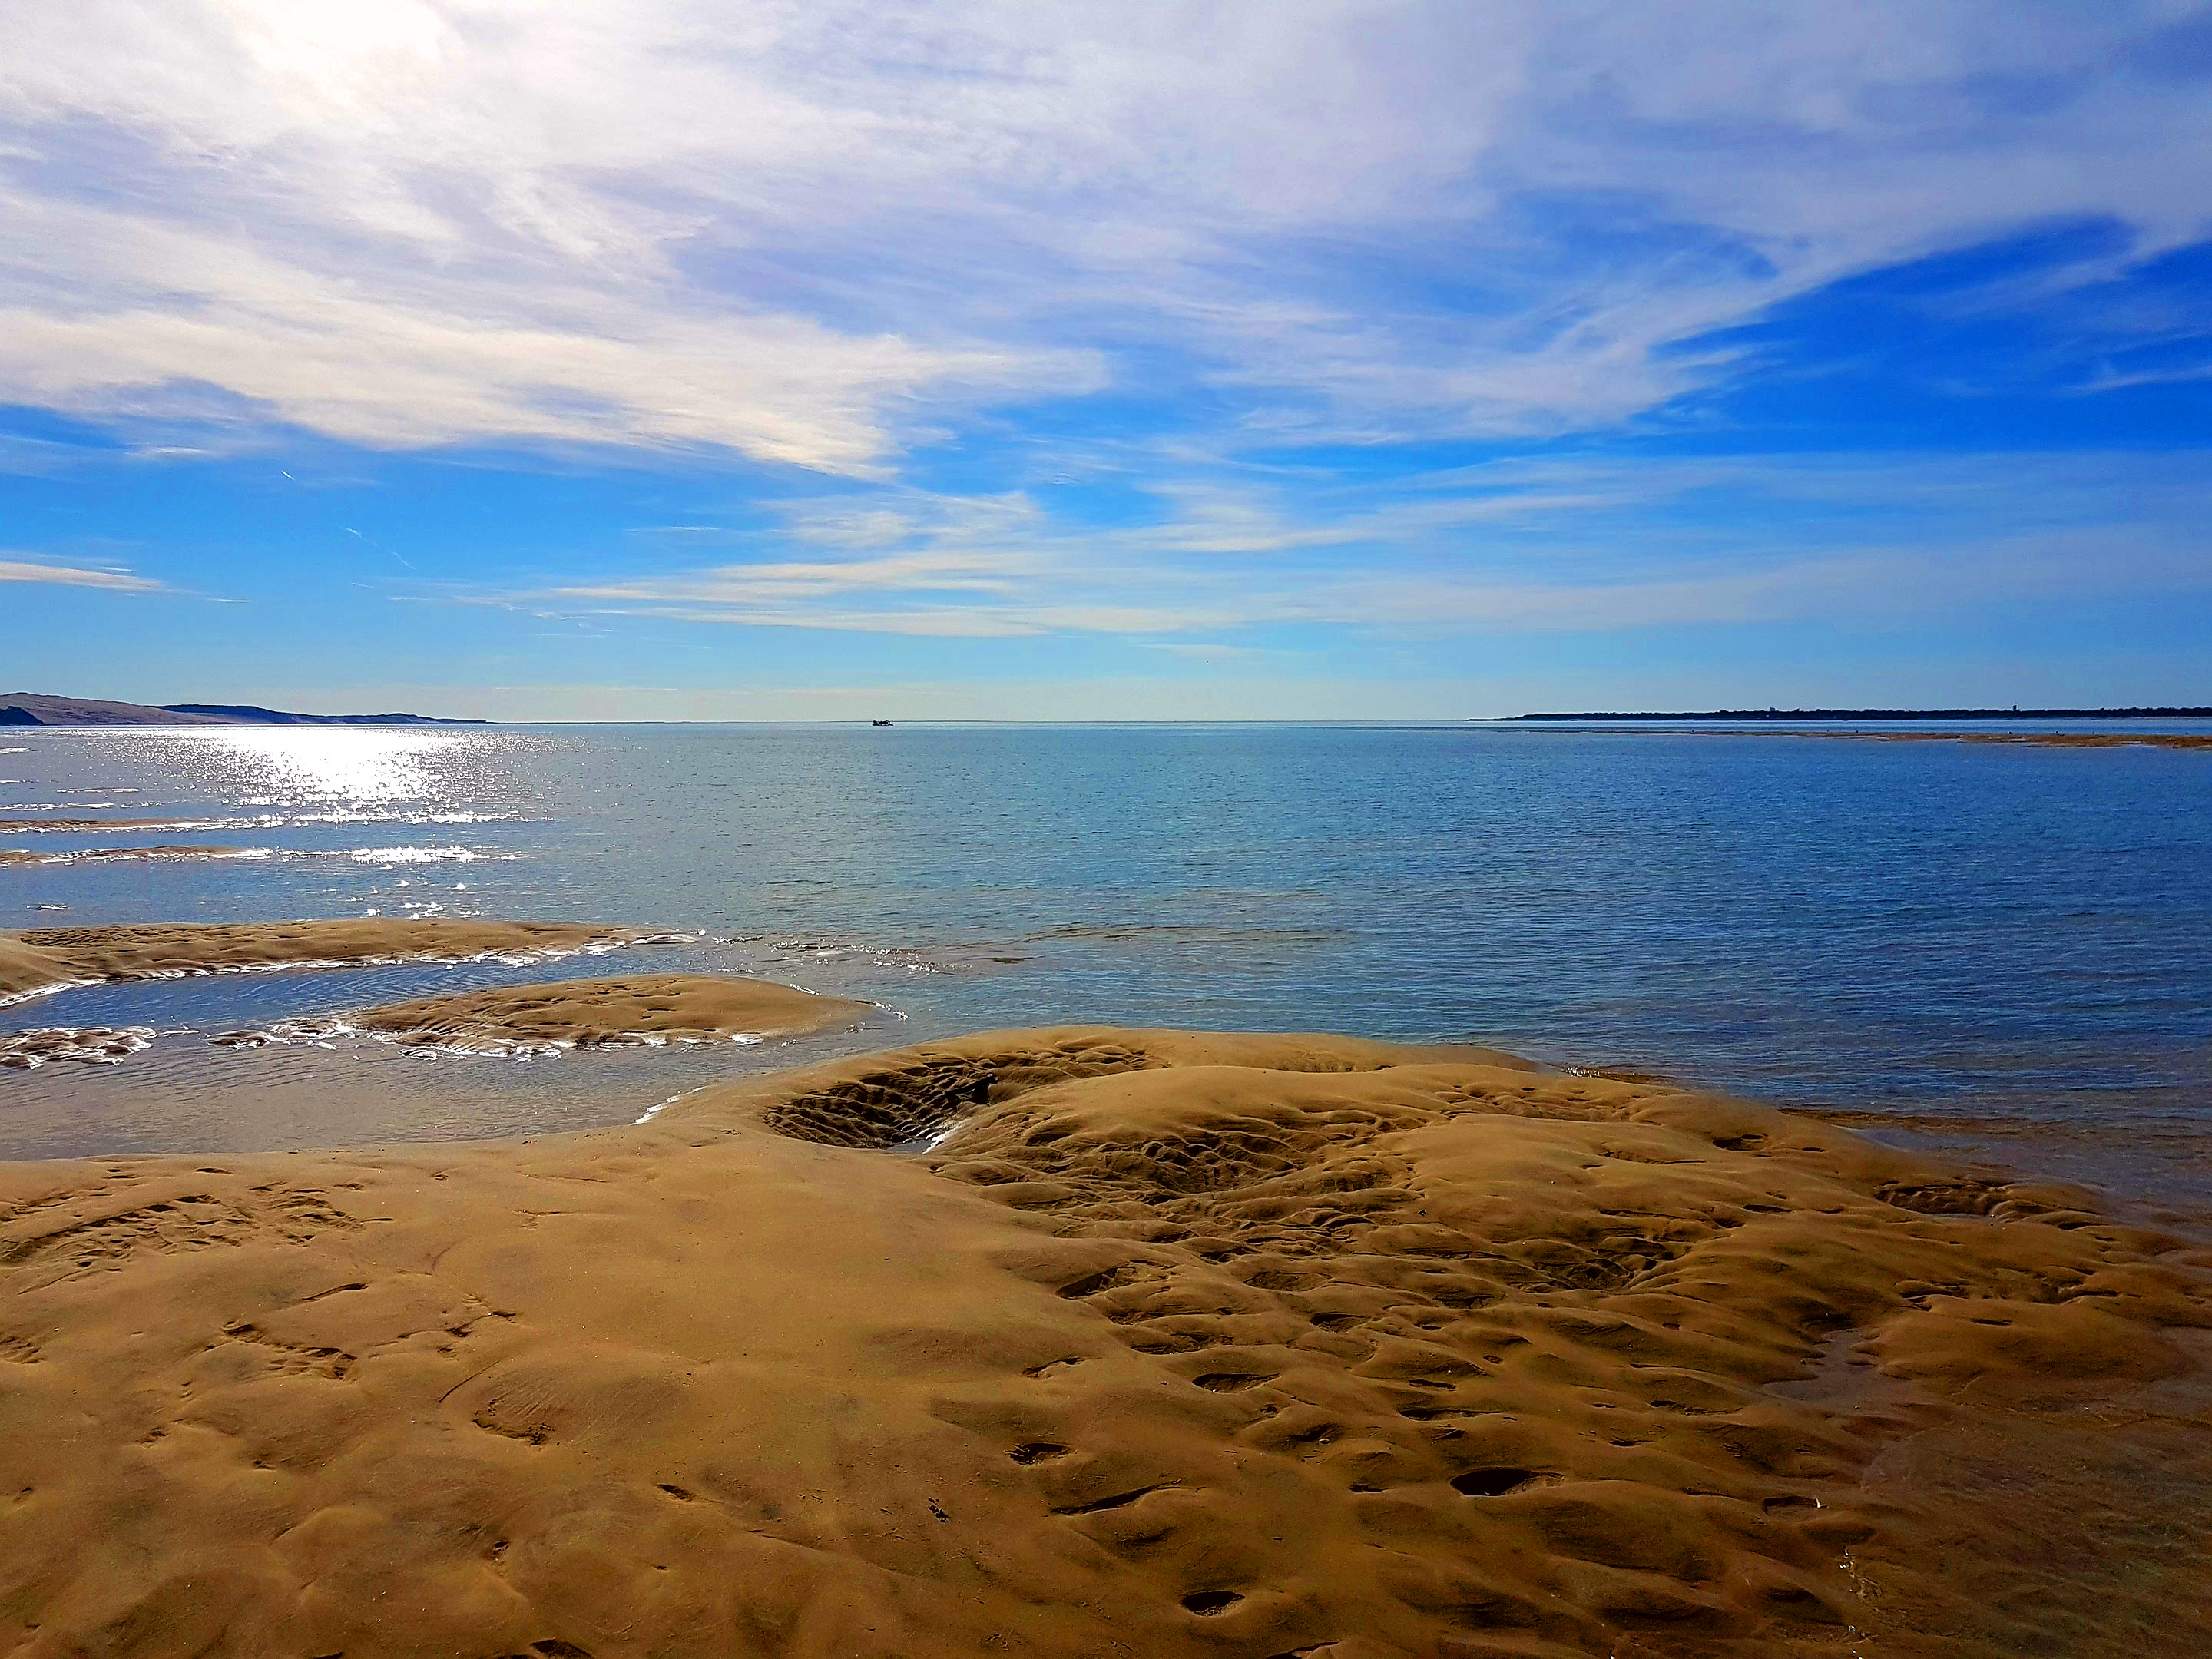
(36, 709)
(2014, 713)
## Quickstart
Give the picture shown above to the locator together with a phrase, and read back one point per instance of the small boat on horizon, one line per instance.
(879, 722)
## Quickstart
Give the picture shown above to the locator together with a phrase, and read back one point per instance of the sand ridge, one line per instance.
(624, 1009)
(1175, 1344)
(47, 958)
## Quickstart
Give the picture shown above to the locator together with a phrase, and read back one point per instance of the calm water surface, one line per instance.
(2004, 948)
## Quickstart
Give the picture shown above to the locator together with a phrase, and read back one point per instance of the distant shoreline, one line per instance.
(36, 709)
(1891, 714)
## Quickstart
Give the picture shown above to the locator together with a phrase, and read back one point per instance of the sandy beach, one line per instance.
(1094, 1341)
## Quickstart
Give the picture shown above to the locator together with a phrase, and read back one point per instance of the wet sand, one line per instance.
(1172, 1344)
(45, 958)
(633, 1009)
(85, 1045)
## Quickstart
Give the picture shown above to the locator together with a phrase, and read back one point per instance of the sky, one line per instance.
(658, 359)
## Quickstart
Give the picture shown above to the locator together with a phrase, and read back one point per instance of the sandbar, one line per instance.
(2199, 740)
(45, 958)
(626, 1010)
(1173, 1344)
(2041, 739)
(39, 826)
(127, 855)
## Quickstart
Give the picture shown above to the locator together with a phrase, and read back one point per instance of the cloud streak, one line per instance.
(66, 575)
(1559, 544)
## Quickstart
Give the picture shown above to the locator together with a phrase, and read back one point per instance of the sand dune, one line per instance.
(1177, 1345)
(631, 1009)
(125, 854)
(45, 957)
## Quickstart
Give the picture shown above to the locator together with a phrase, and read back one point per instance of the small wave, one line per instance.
(330, 1030)
(913, 959)
(321, 1032)
(36, 991)
(360, 816)
(419, 855)
(1177, 933)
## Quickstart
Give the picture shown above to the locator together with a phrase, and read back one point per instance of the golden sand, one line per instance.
(48, 956)
(1173, 1344)
(634, 1008)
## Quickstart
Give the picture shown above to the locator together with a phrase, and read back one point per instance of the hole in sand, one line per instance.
(1491, 1483)
(1038, 1451)
(1206, 1603)
(1119, 1500)
(1229, 1381)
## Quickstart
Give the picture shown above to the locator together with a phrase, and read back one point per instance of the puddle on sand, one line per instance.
(2082, 1533)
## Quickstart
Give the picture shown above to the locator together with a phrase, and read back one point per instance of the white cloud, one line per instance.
(818, 233)
(66, 575)
(1559, 544)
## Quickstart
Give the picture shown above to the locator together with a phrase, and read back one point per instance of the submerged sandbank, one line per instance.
(1177, 1344)
(2026, 739)
(2041, 739)
(617, 1011)
(52, 958)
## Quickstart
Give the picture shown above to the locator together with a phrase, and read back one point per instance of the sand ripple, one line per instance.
(1177, 1345)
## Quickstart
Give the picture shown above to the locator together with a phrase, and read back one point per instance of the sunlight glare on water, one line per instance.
(366, 768)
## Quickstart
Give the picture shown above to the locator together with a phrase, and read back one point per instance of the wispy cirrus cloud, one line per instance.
(1554, 544)
(67, 575)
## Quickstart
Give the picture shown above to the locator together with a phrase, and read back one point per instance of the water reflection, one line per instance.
(323, 765)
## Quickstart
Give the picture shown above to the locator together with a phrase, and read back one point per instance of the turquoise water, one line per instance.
(2004, 947)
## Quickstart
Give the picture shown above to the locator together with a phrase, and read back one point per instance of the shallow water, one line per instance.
(1998, 948)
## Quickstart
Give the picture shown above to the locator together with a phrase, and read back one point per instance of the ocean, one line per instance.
(2002, 951)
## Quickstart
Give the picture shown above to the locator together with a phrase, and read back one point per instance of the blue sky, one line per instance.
(654, 359)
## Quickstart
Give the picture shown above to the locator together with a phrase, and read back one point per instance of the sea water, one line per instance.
(2001, 949)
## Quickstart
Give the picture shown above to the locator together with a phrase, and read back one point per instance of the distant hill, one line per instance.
(1900, 714)
(35, 709)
